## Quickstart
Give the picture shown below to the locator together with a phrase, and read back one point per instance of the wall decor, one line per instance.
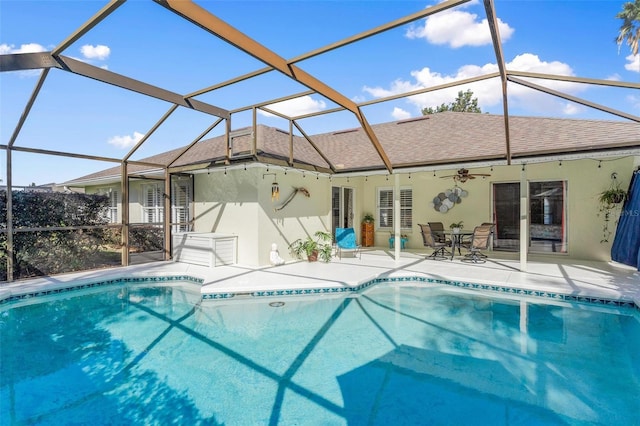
(295, 192)
(445, 201)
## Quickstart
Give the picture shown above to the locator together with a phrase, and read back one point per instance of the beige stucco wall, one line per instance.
(226, 204)
(135, 197)
(585, 180)
(302, 217)
(240, 204)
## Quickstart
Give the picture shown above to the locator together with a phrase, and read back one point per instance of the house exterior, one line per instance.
(546, 195)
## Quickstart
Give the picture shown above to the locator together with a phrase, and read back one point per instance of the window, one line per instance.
(385, 208)
(112, 212)
(152, 208)
(180, 205)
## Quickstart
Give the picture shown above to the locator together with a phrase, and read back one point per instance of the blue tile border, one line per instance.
(105, 283)
(329, 290)
(465, 285)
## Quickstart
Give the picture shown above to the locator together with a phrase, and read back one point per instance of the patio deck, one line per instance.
(547, 276)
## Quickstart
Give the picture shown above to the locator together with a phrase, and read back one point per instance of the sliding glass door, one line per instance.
(506, 216)
(546, 216)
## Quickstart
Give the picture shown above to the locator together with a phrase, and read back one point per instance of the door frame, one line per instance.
(346, 208)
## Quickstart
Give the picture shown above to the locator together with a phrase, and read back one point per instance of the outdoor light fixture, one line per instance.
(275, 188)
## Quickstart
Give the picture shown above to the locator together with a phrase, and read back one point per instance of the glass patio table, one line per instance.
(457, 238)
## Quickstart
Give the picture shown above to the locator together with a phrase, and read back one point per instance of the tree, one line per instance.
(630, 28)
(463, 103)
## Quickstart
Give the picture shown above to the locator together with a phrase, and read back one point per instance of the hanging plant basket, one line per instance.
(612, 196)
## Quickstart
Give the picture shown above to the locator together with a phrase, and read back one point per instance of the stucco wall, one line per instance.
(135, 197)
(227, 204)
(240, 204)
(302, 217)
(585, 180)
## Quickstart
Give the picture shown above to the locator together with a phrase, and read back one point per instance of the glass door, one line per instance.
(506, 216)
(342, 208)
(547, 216)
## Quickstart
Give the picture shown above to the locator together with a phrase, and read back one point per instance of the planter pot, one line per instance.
(617, 199)
(456, 230)
(313, 257)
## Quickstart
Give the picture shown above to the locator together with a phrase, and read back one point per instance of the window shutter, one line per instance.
(180, 205)
(113, 217)
(406, 208)
(385, 208)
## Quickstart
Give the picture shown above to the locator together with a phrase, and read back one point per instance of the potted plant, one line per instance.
(456, 227)
(609, 200)
(612, 196)
(318, 246)
(368, 218)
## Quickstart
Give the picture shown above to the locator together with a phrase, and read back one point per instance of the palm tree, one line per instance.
(630, 28)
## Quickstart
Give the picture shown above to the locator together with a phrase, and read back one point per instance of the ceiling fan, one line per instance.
(463, 175)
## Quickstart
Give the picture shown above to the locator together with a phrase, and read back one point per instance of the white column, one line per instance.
(396, 217)
(524, 212)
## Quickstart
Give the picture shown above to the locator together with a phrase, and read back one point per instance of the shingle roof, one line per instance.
(442, 138)
(454, 137)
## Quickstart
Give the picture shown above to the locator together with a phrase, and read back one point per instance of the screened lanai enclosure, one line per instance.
(271, 101)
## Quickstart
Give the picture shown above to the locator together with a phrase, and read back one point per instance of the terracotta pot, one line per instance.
(313, 257)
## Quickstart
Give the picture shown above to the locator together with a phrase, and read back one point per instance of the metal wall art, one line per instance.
(445, 201)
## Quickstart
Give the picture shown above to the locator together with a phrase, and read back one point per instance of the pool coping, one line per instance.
(9, 295)
(16, 293)
(419, 278)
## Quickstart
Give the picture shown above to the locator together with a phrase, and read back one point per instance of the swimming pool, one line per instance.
(395, 354)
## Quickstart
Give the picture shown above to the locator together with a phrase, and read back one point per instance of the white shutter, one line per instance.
(385, 208)
(406, 208)
(180, 205)
(113, 211)
(153, 208)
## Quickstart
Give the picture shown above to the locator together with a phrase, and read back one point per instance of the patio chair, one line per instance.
(493, 231)
(429, 240)
(346, 242)
(439, 234)
(479, 241)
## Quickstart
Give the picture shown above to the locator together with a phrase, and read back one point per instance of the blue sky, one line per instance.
(147, 42)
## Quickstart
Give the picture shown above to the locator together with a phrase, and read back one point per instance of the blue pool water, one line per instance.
(401, 355)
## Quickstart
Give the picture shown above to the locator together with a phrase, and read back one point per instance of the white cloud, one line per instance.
(297, 106)
(99, 51)
(572, 109)
(125, 141)
(633, 64)
(457, 28)
(488, 92)
(6, 49)
(400, 114)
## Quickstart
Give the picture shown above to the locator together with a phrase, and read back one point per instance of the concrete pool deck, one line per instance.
(547, 276)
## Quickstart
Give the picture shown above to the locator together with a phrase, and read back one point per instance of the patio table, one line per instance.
(456, 241)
